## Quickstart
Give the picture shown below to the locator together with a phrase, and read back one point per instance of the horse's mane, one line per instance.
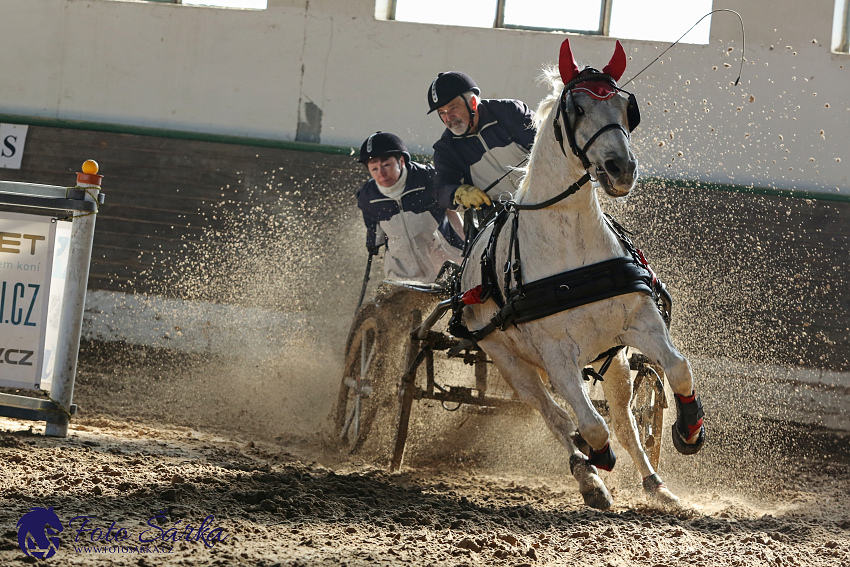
(551, 76)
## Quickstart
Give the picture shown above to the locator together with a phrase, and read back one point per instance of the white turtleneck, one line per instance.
(397, 189)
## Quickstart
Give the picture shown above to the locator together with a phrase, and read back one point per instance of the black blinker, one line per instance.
(633, 113)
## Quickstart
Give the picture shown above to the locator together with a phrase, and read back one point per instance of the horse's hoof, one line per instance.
(689, 429)
(598, 498)
(688, 448)
(658, 493)
(665, 499)
(590, 486)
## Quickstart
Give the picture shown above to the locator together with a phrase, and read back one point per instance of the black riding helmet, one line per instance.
(447, 86)
(382, 144)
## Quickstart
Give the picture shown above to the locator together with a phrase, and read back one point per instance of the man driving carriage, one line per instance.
(400, 210)
(484, 142)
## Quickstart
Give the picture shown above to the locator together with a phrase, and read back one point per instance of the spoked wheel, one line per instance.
(648, 404)
(355, 409)
(368, 399)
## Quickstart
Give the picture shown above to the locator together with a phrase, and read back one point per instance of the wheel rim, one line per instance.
(357, 395)
(648, 408)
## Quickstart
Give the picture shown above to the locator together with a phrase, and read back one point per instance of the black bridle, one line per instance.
(632, 114)
(589, 75)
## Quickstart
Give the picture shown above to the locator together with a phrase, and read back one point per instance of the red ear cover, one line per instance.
(567, 63)
(617, 66)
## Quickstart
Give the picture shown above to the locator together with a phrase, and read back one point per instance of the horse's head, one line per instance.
(595, 119)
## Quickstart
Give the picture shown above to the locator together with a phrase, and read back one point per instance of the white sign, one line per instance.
(26, 263)
(61, 254)
(12, 139)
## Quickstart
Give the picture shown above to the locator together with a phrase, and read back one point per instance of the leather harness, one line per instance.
(529, 301)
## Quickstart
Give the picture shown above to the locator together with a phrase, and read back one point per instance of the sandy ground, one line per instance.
(143, 457)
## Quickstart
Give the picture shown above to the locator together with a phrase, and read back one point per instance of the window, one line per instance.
(252, 4)
(840, 25)
(655, 20)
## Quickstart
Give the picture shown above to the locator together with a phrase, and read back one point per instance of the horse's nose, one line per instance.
(620, 168)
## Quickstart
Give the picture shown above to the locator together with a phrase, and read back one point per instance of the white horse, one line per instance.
(592, 115)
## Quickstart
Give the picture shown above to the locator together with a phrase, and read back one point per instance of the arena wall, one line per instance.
(328, 71)
(759, 278)
(226, 140)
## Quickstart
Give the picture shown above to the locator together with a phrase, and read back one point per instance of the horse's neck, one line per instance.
(569, 234)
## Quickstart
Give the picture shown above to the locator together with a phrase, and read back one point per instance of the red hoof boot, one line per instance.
(604, 459)
(689, 430)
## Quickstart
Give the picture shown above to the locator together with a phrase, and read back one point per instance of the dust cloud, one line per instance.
(281, 248)
(296, 250)
(753, 278)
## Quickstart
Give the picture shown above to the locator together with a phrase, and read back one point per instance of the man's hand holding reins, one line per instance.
(471, 196)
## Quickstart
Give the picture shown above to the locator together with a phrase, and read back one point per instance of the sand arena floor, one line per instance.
(155, 453)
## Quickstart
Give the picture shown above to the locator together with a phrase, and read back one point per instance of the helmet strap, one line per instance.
(471, 112)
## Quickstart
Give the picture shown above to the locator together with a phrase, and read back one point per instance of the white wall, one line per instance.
(249, 73)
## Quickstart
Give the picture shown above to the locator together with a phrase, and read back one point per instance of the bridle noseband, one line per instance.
(590, 75)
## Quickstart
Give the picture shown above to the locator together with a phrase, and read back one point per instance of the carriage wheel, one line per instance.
(368, 398)
(648, 403)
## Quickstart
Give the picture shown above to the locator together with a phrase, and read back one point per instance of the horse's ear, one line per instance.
(567, 63)
(617, 66)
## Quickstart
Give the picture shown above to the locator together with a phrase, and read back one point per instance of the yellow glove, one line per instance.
(471, 196)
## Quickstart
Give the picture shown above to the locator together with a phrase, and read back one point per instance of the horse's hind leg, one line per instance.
(617, 386)
(525, 380)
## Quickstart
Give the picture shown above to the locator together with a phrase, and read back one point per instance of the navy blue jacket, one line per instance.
(505, 135)
(419, 235)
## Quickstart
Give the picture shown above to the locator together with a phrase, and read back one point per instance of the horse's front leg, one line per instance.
(649, 334)
(526, 382)
(565, 376)
(617, 386)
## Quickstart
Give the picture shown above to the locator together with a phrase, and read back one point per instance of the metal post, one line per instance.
(70, 330)
(844, 45)
(605, 18)
(499, 20)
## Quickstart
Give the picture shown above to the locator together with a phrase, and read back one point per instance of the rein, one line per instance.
(549, 202)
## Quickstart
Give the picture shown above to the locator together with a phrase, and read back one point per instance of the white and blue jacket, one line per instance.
(419, 235)
(505, 136)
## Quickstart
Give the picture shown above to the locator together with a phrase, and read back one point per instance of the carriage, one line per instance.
(559, 294)
(393, 357)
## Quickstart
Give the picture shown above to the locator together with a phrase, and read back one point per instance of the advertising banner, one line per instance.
(12, 140)
(26, 264)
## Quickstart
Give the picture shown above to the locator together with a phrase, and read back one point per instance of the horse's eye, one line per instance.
(579, 110)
